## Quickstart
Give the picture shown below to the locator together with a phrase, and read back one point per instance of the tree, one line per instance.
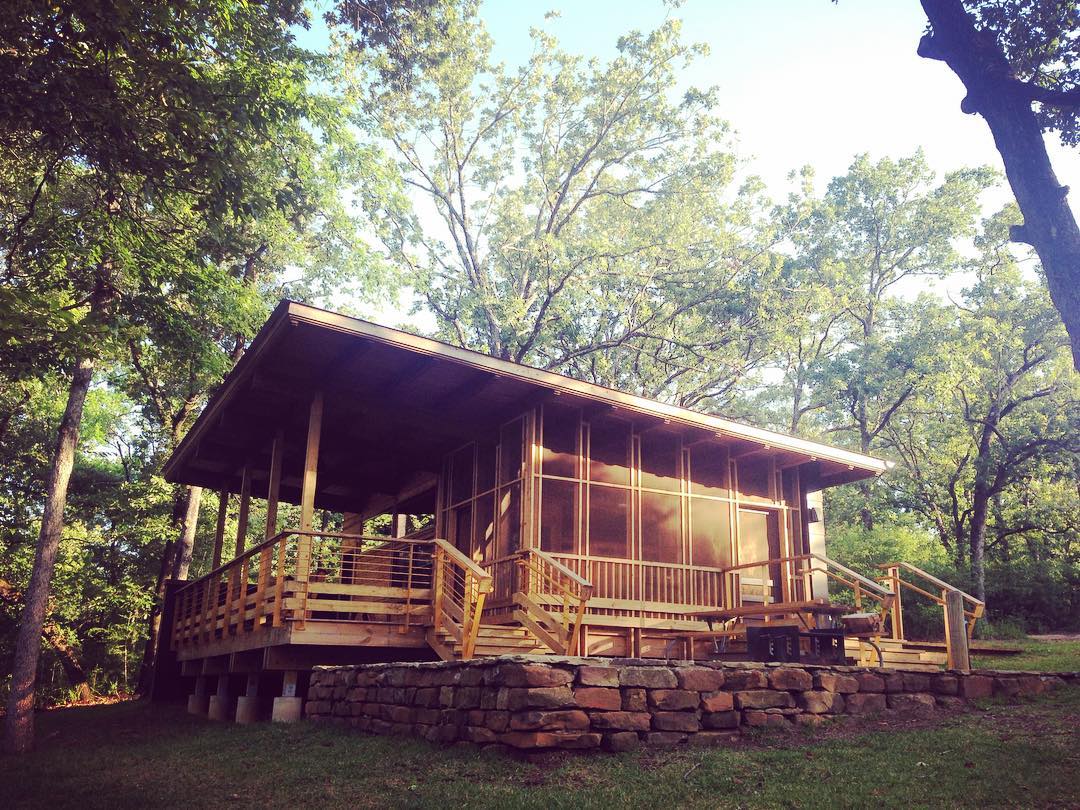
(1011, 55)
(121, 113)
(886, 224)
(578, 216)
(999, 411)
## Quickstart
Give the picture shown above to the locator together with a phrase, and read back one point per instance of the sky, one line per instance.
(802, 82)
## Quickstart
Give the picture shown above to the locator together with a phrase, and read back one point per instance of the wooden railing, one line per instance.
(646, 589)
(459, 591)
(971, 608)
(796, 583)
(551, 600)
(299, 576)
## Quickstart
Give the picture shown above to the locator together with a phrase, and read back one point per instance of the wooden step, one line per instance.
(491, 640)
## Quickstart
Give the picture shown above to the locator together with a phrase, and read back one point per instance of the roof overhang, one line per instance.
(396, 402)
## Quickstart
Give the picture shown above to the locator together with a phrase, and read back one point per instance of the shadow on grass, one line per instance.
(139, 755)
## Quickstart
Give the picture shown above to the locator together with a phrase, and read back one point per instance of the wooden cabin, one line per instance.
(528, 512)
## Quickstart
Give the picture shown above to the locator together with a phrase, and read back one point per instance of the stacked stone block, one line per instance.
(619, 704)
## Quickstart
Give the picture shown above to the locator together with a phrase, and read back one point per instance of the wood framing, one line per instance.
(548, 514)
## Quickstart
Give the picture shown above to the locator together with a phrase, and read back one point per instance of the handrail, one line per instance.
(955, 644)
(932, 580)
(460, 589)
(292, 577)
(562, 568)
(541, 575)
(460, 558)
(286, 533)
(876, 589)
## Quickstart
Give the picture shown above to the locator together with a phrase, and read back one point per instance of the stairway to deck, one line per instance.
(491, 640)
(896, 653)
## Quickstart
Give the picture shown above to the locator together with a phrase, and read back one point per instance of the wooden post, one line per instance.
(897, 613)
(274, 488)
(439, 558)
(399, 524)
(311, 462)
(245, 505)
(956, 640)
(307, 499)
(219, 532)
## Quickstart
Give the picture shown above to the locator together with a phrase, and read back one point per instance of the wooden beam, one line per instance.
(245, 506)
(403, 377)
(463, 392)
(273, 490)
(219, 530)
(311, 462)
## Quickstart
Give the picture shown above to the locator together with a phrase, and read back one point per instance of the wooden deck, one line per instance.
(414, 597)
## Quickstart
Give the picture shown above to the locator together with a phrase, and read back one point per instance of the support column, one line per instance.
(245, 505)
(199, 703)
(307, 499)
(273, 490)
(311, 462)
(247, 705)
(288, 708)
(219, 531)
(956, 640)
(221, 703)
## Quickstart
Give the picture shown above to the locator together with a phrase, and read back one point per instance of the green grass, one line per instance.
(1038, 656)
(138, 755)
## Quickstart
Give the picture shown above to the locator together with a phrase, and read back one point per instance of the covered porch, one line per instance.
(528, 513)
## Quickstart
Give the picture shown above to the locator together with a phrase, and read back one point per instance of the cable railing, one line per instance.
(299, 576)
(460, 588)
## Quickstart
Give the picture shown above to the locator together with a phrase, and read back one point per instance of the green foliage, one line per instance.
(584, 216)
(580, 216)
(184, 163)
(1041, 42)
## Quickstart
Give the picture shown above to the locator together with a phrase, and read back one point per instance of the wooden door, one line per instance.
(759, 539)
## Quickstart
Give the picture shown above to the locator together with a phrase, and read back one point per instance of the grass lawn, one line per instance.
(1039, 655)
(138, 755)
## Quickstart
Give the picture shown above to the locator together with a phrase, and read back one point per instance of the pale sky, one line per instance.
(802, 82)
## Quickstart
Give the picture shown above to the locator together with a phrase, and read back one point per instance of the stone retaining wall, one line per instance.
(618, 704)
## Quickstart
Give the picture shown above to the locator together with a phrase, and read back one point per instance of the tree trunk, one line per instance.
(979, 509)
(182, 557)
(865, 512)
(69, 660)
(19, 722)
(165, 568)
(69, 657)
(146, 668)
(1005, 103)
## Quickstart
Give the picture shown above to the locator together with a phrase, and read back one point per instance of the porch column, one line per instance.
(307, 491)
(311, 462)
(219, 531)
(274, 487)
(245, 505)
(199, 702)
(221, 703)
(247, 705)
(287, 708)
